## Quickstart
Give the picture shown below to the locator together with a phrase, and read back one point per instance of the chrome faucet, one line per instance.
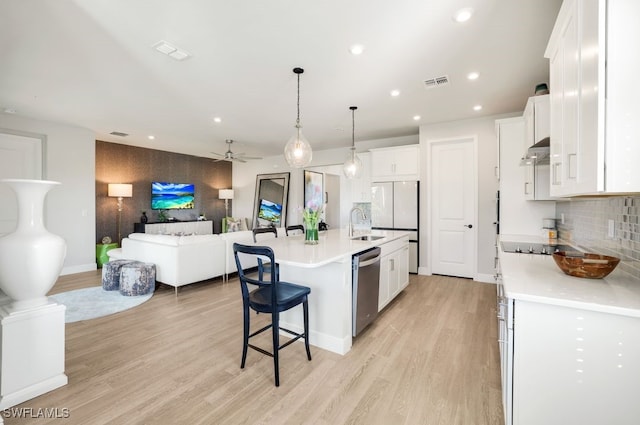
(362, 214)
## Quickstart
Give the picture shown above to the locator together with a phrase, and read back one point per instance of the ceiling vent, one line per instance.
(119, 133)
(171, 51)
(436, 82)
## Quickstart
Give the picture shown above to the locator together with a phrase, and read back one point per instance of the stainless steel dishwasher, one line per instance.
(366, 287)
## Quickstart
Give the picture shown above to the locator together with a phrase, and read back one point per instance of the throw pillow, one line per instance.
(233, 224)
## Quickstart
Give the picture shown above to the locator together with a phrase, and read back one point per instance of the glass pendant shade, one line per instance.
(297, 151)
(352, 167)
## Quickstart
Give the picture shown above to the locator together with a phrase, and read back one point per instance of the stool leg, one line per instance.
(305, 311)
(245, 336)
(275, 322)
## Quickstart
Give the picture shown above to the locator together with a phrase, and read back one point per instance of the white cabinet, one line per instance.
(361, 187)
(180, 228)
(394, 270)
(574, 366)
(594, 110)
(536, 127)
(518, 216)
(395, 163)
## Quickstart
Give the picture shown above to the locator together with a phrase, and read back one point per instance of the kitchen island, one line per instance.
(569, 347)
(326, 269)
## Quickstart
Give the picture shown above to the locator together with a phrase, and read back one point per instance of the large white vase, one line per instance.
(31, 257)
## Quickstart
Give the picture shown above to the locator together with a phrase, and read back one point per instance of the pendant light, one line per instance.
(297, 152)
(352, 167)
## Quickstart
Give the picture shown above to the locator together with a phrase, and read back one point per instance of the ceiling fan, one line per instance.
(230, 156)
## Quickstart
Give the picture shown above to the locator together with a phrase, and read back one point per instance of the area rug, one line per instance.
(90, 303)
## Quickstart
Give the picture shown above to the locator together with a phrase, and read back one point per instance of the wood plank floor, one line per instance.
(430, 358)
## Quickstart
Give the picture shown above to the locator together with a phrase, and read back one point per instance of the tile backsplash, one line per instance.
(587, 221)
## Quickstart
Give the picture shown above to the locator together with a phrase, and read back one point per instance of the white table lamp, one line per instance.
(226, 194)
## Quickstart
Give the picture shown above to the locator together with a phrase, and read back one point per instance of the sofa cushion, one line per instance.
(160, 239)
(195, 239)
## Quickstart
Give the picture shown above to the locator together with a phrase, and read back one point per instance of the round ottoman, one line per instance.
(111, 274)
(137, 278)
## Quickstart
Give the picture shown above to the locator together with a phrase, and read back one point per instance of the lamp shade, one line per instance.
(120, 190)
(225, 194)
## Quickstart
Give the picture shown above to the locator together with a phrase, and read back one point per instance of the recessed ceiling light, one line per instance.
(356, 49)
(151, 137)
(473, 76)
(217, 120)
(416, 117)
(463, 15)
(9, 111)
(395, 93)
(477, 107)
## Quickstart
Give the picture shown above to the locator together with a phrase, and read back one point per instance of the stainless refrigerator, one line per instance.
(395, 206)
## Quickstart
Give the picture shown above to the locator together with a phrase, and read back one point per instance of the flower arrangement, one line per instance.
(310, 217)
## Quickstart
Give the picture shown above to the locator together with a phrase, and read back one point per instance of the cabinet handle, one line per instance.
(571, 169)
(554, 171)
(393, 264)
(526, 188)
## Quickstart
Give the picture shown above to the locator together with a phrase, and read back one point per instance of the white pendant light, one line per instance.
(352, 167)
(297, 152)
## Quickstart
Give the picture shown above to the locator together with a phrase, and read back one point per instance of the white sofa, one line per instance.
(179, 260)
(243, 237)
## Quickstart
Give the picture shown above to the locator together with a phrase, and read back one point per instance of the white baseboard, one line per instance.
(78, 269)
(487, 278)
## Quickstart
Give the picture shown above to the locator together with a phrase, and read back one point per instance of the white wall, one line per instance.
(484, 130)
(69, 158)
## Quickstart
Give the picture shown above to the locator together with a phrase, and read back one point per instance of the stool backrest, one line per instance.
(261, 230)
(265, 258)
(294, 228)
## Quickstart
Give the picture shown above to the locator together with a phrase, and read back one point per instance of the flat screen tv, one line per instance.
(270, 211)
(172, 196)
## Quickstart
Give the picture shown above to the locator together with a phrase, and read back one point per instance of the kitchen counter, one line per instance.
(333, 245)
(569, 347)
(537, 278)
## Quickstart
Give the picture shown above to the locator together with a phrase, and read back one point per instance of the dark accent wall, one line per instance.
(116, 163)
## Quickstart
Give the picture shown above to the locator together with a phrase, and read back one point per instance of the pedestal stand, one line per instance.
(31, 352)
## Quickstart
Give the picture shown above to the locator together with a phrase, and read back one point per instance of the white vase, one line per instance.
(31, 257)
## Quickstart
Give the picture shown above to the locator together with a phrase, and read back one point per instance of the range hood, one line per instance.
(538, 154)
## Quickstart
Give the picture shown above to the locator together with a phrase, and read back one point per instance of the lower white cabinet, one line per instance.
(394, 270)
(574, 366)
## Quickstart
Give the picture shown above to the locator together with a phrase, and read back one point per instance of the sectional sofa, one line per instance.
(185, 259)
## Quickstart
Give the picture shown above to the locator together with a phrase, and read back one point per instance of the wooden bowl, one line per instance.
(590, 266)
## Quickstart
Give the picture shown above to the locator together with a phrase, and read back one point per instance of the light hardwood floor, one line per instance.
(430, 358)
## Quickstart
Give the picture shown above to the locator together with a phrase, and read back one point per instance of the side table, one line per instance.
(101, 252)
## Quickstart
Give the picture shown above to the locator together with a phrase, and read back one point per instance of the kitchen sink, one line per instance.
(366, 238)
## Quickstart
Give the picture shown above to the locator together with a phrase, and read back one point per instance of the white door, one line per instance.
(20, 158)
(453, 207)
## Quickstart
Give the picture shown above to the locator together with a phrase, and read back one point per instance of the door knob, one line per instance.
(469, 226)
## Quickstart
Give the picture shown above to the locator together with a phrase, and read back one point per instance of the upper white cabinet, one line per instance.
(595, 116)
(395, 163)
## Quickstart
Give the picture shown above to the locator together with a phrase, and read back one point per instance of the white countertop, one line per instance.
(334, 245)
(532, 277)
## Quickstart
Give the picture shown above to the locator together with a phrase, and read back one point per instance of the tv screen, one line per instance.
(270, 211)
(172, 196)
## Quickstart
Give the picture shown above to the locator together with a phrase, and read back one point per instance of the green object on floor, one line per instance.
(101, 252)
